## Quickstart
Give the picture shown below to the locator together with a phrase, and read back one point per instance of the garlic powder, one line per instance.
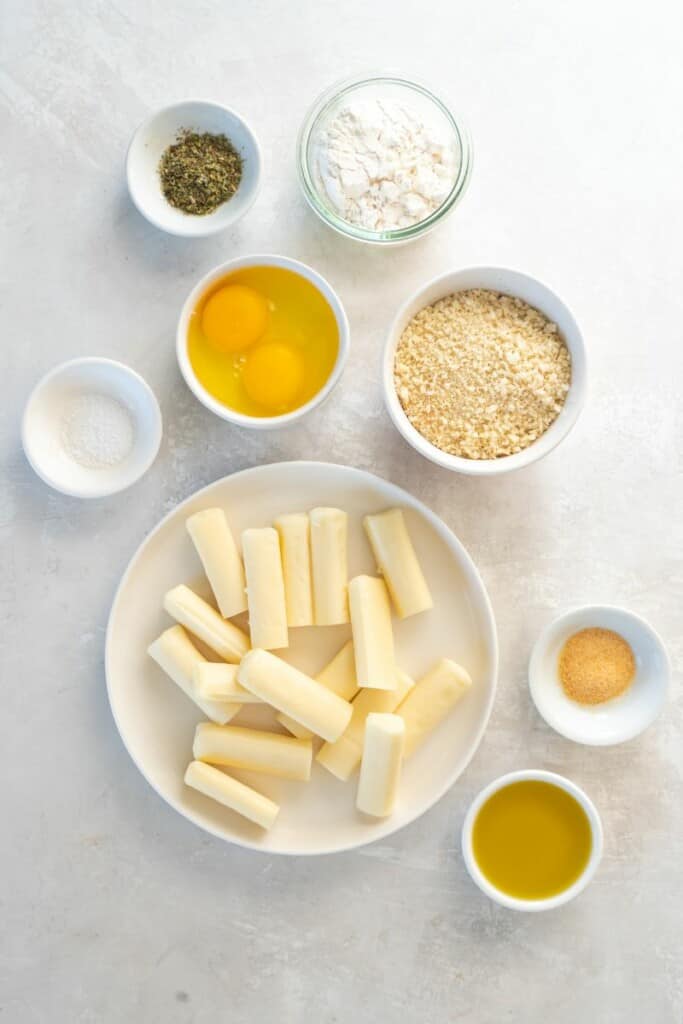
(381, 167)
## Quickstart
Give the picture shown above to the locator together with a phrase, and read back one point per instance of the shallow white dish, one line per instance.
(616, 720)
(161, 129)
(41, 426)
(156, 721)
(579, 885)
(195, 385)
(509, 282)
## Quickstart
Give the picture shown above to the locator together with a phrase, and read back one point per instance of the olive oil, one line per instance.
(532, 840)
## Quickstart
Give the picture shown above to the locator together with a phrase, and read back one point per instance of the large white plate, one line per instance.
(156, 721)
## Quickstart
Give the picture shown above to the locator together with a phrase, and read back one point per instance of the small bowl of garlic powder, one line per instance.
(382, 159)
(91, 427)
(599, 675)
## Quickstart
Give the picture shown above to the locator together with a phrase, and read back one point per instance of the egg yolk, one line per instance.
(234, 318)
(273, 375)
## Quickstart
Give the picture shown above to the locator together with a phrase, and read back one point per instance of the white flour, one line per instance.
(96, 431)
(381, 167)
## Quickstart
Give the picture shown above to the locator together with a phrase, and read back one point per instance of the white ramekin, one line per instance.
(509, 282)
(579, 885)
(158, 132)
(238, 418)
(617, 720)
(41, 426)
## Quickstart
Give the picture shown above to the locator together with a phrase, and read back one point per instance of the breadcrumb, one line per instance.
(480, 374)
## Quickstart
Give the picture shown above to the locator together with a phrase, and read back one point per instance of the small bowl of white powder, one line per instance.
(382, 160)
(91, 427)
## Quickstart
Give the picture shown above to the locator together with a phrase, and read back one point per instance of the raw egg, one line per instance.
(263, 341)
(235, 317)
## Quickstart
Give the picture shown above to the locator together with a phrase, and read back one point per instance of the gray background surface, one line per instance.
(113, 907)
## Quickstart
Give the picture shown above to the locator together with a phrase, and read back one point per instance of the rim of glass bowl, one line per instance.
(312, 120)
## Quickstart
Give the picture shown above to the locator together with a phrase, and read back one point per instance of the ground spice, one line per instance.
(200, 172)
(596, 665)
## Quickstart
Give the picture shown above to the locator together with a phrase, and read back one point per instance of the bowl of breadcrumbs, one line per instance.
(484, 370)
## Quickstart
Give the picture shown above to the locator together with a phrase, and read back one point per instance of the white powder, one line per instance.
(381, 167)
(97, 431)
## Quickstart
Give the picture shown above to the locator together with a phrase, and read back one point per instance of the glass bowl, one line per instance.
(433, 112)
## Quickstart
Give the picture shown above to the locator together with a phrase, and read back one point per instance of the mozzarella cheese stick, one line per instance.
(397, 562)
(175, 653)
(339, 676)
(215, 544)
(293, 531)
(380, 768)
(431, 699)
(214, 680)
(231, 793)
(294, 694)
(373, 636)
(343, 757)
(329, 566)
(265, 588)
(258, 751)
(192, 612)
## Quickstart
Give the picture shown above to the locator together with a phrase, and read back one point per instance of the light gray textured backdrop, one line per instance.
(113, 907)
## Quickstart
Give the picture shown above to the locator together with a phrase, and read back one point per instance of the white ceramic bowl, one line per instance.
(616, 720)
(509, 282)
(157, 133)
(41, 426)
(195, 385)
(579, 885)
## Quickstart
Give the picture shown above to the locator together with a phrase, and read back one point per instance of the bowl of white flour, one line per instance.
(91, 427)
(382, 160)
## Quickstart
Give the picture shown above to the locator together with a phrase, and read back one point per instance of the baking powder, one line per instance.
(382, 167)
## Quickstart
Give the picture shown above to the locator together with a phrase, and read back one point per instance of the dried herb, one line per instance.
(199, 172)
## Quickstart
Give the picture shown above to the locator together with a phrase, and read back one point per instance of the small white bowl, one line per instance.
(195, 385)
(157, 133)
(616, 720)
(47, 403)
(566, 895)
(508, 282)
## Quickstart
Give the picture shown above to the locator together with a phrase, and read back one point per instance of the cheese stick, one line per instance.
(293, 531)
(373, 637)
(380, 767)
(214, 680)
(431, 699)
(178, 657)
(215, 544)
(343, 757)
(231, 793)
(294, 694)
(339, 676)
(192, 612)
(253, 749)
(265, 588)
(329, 566)
(397, 562)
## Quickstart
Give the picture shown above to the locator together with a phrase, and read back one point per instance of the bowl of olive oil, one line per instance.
(532, 840)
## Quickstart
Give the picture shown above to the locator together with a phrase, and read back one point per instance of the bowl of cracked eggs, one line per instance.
(382, 160)
(262, 341)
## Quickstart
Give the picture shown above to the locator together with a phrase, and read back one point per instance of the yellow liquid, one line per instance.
(532, 840)
(300, 320)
